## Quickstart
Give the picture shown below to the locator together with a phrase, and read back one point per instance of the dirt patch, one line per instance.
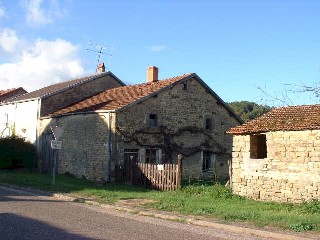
(133, 203)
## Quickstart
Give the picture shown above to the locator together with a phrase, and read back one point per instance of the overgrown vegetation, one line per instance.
(248, 110)
(207, 200)
(15, 152)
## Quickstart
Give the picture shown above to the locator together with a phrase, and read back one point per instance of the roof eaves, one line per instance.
(19, 101)
(77, 113)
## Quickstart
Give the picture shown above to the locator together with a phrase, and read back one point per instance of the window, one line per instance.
(208, 158)
(185, 85)
(153, 120)
(151, 155)
(258, 146)
(208, 124)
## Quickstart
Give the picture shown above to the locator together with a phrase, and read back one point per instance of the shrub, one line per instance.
(15, 152)
(301, 227)
(312, 206)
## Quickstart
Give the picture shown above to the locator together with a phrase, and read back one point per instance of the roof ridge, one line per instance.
(290, 118)
(84, 79)
(296, 106)
(123, 96)
(60, 86)
(161, 80)
(8, 90)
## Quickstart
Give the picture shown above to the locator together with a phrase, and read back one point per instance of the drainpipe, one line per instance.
(38, 126)
(109, 146)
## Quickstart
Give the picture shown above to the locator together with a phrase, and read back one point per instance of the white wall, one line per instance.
(20, 116)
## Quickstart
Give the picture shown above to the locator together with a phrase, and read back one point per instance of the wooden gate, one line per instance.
(164, 177)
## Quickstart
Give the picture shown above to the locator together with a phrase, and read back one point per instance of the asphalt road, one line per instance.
(25, 216)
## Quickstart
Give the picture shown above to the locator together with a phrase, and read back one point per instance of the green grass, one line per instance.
(213, 200)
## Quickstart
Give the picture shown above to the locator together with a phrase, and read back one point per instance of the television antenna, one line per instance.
(100, 50)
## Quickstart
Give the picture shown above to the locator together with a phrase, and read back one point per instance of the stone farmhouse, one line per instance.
(21, 114)
(7, 94)
(151, 122)
(276, 157)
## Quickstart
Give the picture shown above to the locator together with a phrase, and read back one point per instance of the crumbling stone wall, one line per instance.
(289, 173)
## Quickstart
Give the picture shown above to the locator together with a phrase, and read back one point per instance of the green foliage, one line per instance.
(248, 110)
(15, 152)
(218, 191)
(311, 207)
(301, 227)
(208, 200)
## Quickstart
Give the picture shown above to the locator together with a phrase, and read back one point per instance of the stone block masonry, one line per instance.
(289, 173)
(84, 151)
(179, 108)
(183, 119)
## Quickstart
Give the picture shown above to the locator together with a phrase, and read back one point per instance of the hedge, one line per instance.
(15, 152)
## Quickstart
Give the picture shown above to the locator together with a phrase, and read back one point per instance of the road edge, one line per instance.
(164, 216)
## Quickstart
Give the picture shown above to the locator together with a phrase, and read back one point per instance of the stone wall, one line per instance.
(182, 108)
(290, 173)
(77, 93)
(91, 149)
(85, 145)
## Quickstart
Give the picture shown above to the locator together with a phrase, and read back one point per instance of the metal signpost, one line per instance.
(55, 145)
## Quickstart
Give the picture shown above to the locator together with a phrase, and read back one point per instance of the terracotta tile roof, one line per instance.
(3, 92)
(48, 90)
(117, 98)
(7, 94)
(294, 118)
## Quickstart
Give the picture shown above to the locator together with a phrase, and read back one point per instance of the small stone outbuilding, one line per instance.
(276, 157)
(150, 122)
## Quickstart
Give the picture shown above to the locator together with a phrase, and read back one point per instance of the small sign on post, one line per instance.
(160, 167)
(55, 144)
(57, 131)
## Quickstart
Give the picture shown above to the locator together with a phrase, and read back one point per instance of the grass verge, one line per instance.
(214, 201)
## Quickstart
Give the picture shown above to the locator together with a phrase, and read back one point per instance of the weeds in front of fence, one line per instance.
(207, 199)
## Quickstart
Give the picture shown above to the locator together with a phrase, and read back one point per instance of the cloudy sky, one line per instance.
(235, 46)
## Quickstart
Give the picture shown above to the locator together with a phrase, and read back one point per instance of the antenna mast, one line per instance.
(100, 50)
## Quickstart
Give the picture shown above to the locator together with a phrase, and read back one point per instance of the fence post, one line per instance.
(132, 169)
(179, 174)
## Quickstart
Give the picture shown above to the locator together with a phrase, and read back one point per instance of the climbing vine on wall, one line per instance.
(165, 139)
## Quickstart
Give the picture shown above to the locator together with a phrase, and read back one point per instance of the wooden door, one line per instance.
(47, 153)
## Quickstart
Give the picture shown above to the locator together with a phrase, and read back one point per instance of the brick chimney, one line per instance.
(101, 68)
(152, 74)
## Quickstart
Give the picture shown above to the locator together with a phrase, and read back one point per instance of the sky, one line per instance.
(244, 50)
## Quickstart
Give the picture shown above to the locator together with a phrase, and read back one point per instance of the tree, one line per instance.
(290, 93)
(248, 110)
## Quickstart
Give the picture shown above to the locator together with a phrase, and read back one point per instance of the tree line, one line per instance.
(248, 110)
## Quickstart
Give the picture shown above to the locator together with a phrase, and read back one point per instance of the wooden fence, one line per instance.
(163, 177)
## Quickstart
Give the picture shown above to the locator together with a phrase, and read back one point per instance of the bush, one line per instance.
(301, 227)
(15, 152)
(312, 206)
